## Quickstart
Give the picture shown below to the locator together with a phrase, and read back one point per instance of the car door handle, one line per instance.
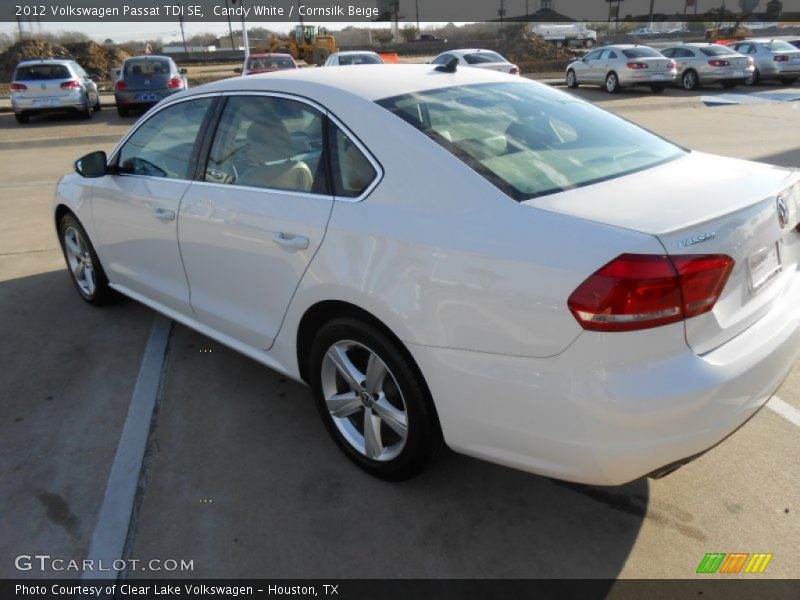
(289, 240)
(164, 214)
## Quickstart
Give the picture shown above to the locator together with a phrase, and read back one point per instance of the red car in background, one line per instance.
(266, 63)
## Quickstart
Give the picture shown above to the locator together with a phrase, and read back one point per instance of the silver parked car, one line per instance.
(354, 57)
(703, 63)
(774, 59)
(49, 85)
(145, 80)
(623, 65)
(477, 58)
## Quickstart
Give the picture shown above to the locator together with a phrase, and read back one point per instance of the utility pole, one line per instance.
(502, 12)
(183, 34)
(230, 27)
(417, 4)
(652, 6)
(19, 26)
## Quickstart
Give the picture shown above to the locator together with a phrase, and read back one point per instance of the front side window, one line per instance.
(530, 141)
(163, 146)
(353, 173)
(642, 53)
(717, 51)
(478, 58)
(268, 142)
(594, 55)
(439, 60)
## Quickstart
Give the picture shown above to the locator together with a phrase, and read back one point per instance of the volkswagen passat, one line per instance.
(461, 257)
(703, 63)
(774, 59)
(621, 66)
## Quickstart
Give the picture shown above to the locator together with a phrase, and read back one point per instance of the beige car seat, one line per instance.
(272, 143)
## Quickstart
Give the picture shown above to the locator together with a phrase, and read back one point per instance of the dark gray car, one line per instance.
(145, 80)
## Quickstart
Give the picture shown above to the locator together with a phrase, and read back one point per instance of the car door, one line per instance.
(135, 208)
(583, 68)
(252, 223)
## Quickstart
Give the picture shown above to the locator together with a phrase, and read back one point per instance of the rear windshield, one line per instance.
(146, 67)
(641, 53)
(780, 46)
(717, 51)
(42, 72)
(530, 140)
(359, 59)
(478, 58)
(272, 62)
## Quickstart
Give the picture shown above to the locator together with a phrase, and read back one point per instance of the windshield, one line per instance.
(780, 46)
(146, 67)
(359, 59)
(478, 58)
(530, 140)
(717, 51)
(271, 62)
(42, 72)
(642, 53)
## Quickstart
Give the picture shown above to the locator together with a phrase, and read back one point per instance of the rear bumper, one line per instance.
(642, 78)
(612, 407)
(143, 97)
(74, 101)
(726, 75)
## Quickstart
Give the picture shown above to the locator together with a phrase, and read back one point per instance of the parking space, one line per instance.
(241, 476)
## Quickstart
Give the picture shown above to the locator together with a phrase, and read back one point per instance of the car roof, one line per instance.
(148, 57)
(49, 61)
(627, 47)
(370, 82)
(270, 55)
(463, 51)
(352, 52)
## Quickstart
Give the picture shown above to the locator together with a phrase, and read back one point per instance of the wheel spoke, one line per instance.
(88, 277)
(343, 405)
(346, 368)
(376, 373)
(77, 271)
(72, 245)
(394, 418)
(373, 446)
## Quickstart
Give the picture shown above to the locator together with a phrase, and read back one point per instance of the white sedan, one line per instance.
(458, 257)
(477, 58)
(352, 58)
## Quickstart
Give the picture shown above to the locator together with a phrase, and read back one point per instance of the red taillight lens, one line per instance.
(672, 65)
(781, 58)
(514, 70)
(175, 82)
(719, 63)
(637, 65)
(18, 87)
(70, 85)
(640, 291)
(121, 85)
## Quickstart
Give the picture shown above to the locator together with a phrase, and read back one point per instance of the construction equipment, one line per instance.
(303, 43)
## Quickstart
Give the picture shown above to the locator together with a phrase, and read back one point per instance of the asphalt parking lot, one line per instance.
(240, 476)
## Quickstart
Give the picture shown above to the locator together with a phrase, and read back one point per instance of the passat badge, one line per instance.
(783, 212)
(697, 239)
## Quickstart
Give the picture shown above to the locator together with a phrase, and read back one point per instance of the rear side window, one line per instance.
(780, 46)
(641, 53)
(163, 145)
(478, 58)
(353, 173)
(146, 67)
(42, 72)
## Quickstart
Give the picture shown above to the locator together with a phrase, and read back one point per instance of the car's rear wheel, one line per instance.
(84, 267)
(572, 80)
(689, 80)
(97, 106)
(788, 80)
(22, 118)
(372, 399)
(753, 79)
(658, 88)
(612, 83)
(123, 111)
(86, 113)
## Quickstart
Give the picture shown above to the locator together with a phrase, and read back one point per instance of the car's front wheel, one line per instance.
(22, 118)
(84, 267)
(572, 81)
(372, 399)
(612, 83)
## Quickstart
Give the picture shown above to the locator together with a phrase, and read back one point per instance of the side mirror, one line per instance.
(183, 71)
(238, 70)
(92, 165)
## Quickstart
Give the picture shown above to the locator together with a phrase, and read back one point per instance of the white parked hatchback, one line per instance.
(461, 257)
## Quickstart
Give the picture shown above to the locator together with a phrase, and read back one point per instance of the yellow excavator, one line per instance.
(305, 42)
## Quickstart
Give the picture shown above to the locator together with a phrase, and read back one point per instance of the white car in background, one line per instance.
(480, 59)
(462, 257)
(352, 58)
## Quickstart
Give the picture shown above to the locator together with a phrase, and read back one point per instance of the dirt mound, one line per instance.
(532, 53)
(94, 58)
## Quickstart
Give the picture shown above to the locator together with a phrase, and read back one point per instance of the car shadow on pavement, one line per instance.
(790, 158)
(243, 479)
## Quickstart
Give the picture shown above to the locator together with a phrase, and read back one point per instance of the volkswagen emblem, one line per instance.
(783, 212)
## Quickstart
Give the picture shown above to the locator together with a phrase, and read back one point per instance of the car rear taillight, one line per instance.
(750, 61)
(514, 70)
(70, 85)
(781, 58)
(640, 291)
(18, 87)
(121, 85)
(637, 65)
(175, 82)
(672, 65)
(719, 63)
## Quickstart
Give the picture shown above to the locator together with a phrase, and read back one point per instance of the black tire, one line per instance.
(102, 293)
(658, 88)
(788, 80)
(612, 83)
(97, 107)
(572, 79)
(689, 80)
(123, 111)
(402, 385)
(753, 79)
(729, 85)
(87, 112)
(22, 118)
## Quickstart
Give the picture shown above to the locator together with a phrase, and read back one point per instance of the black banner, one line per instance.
(715, 586)
(443, 11)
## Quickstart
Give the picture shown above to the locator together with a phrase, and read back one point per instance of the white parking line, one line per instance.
(111, 530)
(787, 411)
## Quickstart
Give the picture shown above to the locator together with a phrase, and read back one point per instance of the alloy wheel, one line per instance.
(80, 261)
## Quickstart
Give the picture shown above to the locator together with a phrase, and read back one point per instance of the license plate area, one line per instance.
(763, 267)
(658, 77)
(148, 98)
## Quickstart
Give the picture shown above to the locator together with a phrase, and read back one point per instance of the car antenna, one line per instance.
(450, 67)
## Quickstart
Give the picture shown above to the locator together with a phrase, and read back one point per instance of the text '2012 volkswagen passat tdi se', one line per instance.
(455, 256)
